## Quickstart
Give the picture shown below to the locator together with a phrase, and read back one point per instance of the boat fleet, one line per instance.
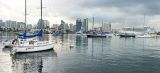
(25, 42)
(145, 32)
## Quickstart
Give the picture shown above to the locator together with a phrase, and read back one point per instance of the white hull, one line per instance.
(33, 48)
(109, 35)
(145, 36)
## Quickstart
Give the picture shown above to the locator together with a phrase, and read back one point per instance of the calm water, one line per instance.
(89, 55)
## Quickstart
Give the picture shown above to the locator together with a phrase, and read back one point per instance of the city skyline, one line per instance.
(120, 13)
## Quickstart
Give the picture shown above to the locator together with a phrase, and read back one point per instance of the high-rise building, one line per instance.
(40, 24)
(66, 27)
(21, 25)
(2, 24)
(11, 24)
(46, 24)
(78, 25)
(85, 25)
(61, 26)
(71, 27)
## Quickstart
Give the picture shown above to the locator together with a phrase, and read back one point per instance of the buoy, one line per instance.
(71, 46)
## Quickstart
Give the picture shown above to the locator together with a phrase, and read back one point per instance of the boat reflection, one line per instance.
(7, 50)
(31, 62)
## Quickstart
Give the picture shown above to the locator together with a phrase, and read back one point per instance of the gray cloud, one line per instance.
(115, 11)
(150, 7)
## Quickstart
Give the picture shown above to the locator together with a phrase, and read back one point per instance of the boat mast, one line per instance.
(93, 23)
(144, 20)
(102, 26)
(41, 12)
(25, 14)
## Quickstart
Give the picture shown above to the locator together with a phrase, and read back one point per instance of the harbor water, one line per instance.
(79, 54)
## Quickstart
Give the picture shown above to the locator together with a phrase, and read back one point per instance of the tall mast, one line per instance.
(93, 23)
(144, 19)
(102, 26)
(41, 12)
(25, 14)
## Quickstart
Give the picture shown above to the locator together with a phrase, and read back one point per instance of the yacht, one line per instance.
(31, 45)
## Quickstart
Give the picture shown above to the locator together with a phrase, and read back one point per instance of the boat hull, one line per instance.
(127, 35)
(96, 36)
(24, 49)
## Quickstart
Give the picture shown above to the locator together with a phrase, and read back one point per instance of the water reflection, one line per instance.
(89, 55)
(81, 41)
(31, 62)
(7, 50)
(45, 37)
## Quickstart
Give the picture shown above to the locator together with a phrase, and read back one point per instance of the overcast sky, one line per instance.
(120, 13)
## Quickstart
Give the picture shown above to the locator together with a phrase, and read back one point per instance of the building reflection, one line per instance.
(98, 45)
(44, 38)
(81, 41)
(30, 62)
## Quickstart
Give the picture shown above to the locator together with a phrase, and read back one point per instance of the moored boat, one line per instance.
(146, 36)
(31, 45)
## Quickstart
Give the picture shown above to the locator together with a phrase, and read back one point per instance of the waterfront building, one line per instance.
(71, 27)
(61, 26)
(74, 27)
(43, 25)
(78, 25)
(2, 24)
(55, 26)
(11, 24)
(85, 25)
(21, 25)
(46, 24)
(40, 25)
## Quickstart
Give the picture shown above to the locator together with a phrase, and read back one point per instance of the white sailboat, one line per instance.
(30, 43)
(145, 34)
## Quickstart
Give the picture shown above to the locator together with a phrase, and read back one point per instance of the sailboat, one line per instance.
(30, 43)
(145, 34)
(95, 33)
